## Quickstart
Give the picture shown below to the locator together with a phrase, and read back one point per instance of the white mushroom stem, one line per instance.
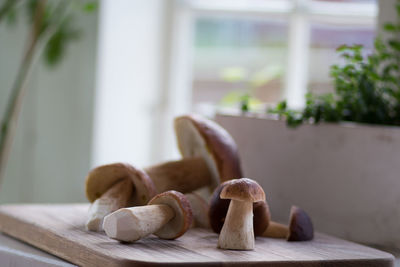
(113, 199)
(131, 224)
(276, 230)
(184, 175)
(237, 232)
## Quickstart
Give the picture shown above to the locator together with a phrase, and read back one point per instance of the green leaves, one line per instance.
(56, 46)
(367, 89)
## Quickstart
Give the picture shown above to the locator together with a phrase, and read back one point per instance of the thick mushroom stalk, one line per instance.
(184, 175)
(237, 232)
(200, 210)
(300, 227)
(132, 224)
(168, 215)
(276, 230)
(113, 199)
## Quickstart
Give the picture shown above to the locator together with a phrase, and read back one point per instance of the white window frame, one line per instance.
(300, 13)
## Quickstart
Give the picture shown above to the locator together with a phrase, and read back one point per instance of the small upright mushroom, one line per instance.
(113, 186)
(237, 232)
(300, 227)
(219, 207)
(168, 216)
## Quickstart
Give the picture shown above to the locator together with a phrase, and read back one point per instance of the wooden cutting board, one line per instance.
(59, 230)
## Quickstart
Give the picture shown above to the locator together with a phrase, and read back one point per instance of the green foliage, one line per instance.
(57, 30)
(367, 89)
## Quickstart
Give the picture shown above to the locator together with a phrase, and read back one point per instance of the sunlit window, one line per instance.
(273, 49)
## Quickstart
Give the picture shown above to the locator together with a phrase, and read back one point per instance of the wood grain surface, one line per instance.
(59, 230)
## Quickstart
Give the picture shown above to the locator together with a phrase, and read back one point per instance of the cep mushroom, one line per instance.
(237, 232)
(209, 156)
(300, 227)
(113, 186)
(201, 138)
(167, 215)
(219, 207)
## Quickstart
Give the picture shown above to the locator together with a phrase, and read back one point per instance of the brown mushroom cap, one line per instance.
(300, 225)
(219, 208)
(100, 179)
(243, 189)
(197, 136)
(182, 220)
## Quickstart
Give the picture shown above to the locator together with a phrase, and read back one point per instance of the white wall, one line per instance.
(51, 152)
(143, 80)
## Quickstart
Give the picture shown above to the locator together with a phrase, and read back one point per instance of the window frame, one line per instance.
(300, 14)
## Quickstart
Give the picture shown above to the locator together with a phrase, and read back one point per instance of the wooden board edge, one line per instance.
(33, 235)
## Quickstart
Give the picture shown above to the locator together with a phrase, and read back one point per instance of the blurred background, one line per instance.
(137, 64)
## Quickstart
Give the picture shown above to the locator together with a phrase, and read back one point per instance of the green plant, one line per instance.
(52, 29)
(367, 89)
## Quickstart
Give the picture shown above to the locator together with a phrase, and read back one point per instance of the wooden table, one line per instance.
(59, 230)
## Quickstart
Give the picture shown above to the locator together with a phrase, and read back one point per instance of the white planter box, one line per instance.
(346, 176)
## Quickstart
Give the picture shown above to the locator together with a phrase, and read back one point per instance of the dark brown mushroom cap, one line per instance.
(243, 189)
(101, 178)
(182, 220)
(300, 225)
(219, 208)
(197, 136)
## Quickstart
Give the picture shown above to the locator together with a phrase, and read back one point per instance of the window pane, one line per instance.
(230, 46)
(324, 41)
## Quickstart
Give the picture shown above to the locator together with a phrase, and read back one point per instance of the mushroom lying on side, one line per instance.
(168, 216)
(237, 232)
(300, 227)
(199, 137)
(219, 208)
(209, 156)
(111, 187)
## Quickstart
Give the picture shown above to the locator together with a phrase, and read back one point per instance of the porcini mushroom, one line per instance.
(300, 227)
(199, 137)
(219, 207)
(237, 231)
(209, 156)
(167, 215)
(113, 186)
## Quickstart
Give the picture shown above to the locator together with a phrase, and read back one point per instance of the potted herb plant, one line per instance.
(339, 157)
